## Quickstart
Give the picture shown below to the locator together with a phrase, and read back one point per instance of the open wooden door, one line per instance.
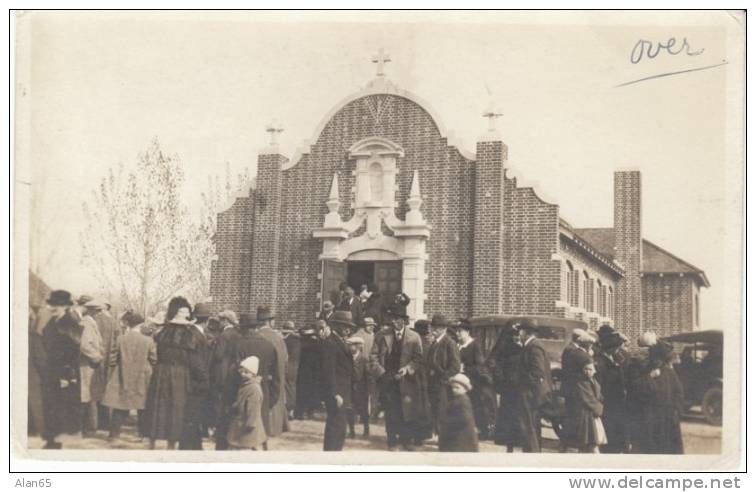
(334, 272)
(388, 277)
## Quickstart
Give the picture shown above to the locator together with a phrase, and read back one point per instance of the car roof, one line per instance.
(714, 337)
(538, 321)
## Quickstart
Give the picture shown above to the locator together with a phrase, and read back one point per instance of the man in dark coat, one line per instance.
(482, 394)
(294, 349)
(327, 311)
(37, 370)
(308, 375)
(234, 350)
(443, 363)
(534, 387)
(610, 373)
(61, 338)
(336, 367)
(396, 363)
(504, 363)
(350, 302)
(573, 357)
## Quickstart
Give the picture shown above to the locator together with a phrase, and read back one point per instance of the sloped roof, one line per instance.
(655, 259)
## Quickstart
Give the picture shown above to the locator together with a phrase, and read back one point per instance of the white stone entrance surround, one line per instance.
(374, 204)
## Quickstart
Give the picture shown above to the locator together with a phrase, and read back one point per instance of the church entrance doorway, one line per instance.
(386, 275)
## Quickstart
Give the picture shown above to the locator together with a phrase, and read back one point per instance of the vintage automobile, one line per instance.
(553, 333)
(700, 370)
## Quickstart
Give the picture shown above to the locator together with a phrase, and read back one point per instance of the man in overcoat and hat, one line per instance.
(246, 343)
(279, 417)
(336, 367)
(534, 386)
(443, 363)
(395, 362)
(109, 333)
(611, 375)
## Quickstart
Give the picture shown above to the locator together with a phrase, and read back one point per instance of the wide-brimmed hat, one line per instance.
(368, 321)
(611, 340)
(439, 321)
(247, 321)
(83, 299)
(264, 313)
(60, 298)
(343, 318)
(229, 315)
(202, 310)
(461, 379)
(583, 336)
(95, 304)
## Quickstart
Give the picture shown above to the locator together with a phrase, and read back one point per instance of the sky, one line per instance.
(100, 86)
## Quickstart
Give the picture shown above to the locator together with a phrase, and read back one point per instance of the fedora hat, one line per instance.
(83, 299)
(60, 298)
(202, 310)
(246, 321)
(264, 313)
(439, 320)
(342, 318)
(611, 340)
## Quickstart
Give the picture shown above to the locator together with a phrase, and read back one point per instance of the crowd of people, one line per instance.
(191, 375)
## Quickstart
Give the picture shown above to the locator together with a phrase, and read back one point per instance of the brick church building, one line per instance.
(381, 194)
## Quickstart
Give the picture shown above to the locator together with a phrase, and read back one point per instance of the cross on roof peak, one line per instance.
(274, 128)
(380, 59)
(492, 113)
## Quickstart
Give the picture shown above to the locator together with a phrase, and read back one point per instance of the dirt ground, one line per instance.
(307, 435)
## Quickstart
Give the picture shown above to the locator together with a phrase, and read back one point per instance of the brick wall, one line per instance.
(531, 278)
(668, 303)
(230, 275)
(628, 251)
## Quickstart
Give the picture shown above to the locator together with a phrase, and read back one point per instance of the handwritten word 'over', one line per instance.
(648, 49)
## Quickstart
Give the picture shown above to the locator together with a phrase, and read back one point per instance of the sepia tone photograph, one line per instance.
(432, 238)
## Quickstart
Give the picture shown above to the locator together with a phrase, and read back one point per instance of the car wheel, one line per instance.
(711, 406)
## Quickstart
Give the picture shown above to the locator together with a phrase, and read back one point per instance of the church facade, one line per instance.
(381, 195)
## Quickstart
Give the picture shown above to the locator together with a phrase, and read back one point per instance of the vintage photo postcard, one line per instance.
(457, 238)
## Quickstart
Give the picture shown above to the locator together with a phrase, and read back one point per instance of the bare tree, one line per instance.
(136, 231)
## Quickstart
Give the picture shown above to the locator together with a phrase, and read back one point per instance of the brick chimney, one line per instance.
(628, 314)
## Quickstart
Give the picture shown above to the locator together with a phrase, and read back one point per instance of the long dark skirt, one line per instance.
(167, 401)
(507, 421)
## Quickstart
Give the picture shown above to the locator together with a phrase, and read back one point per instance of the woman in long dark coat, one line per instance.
(503, 363)
(666, 403)
(308, 375)
(179, 382)
(610, 373)
(482, 394)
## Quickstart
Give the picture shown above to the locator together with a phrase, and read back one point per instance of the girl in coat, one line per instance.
(587, 430)
(179, 382)
(246, 429)
(457, 431)
(360, 387)
(131, 362)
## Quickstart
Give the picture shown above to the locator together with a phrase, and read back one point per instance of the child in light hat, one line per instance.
(246, 429)
(457, 432)
(360, 387)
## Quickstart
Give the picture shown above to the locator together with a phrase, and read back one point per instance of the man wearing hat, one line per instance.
(279, 417)
(572, 370)
(336, 367)
(228, 319)
(610, 373)
(61, 338)
(534, 386)
(308, 373)
(327, 311)
(395, 363)
(293, 344)
(228, 352)
(443, 363)
(109, 331)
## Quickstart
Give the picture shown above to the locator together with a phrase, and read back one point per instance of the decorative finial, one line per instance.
(380, 59)
(274, 128)
(492, 113)
(414, 216)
